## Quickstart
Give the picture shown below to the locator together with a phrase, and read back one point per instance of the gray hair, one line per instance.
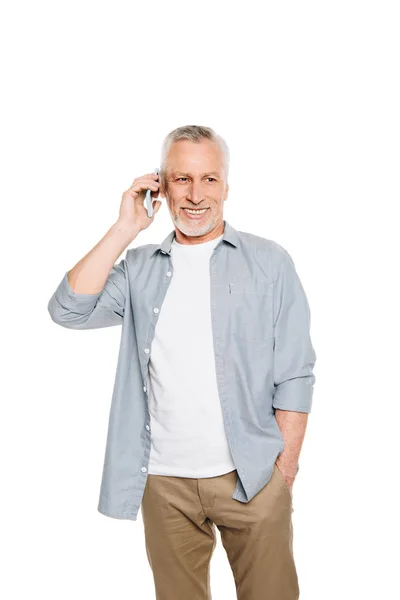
(193, 133)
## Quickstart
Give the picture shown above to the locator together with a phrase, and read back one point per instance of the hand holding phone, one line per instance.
(138, 207)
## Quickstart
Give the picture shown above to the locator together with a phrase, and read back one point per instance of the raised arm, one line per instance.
(92, 294)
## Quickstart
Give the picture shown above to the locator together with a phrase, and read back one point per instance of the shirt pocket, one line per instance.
(250, 310)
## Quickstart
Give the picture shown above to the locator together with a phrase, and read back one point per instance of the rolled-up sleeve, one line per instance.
(294, 355)
(91, 311)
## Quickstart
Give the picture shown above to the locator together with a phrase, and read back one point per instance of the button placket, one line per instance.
(156, 310)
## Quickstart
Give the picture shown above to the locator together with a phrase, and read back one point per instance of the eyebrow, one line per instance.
(186, 174)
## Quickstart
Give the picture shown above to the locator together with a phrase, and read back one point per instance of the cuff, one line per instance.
(295, 394)
(66, 296)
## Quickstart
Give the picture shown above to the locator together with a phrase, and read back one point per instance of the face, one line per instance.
(195, 179)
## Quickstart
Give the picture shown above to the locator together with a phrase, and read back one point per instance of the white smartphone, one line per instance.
(148, 201)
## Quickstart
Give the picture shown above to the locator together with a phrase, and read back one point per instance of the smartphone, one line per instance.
(148, 201)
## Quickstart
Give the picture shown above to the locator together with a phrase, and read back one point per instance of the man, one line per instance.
(214, 380)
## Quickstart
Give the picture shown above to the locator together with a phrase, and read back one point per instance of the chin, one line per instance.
(193, 230)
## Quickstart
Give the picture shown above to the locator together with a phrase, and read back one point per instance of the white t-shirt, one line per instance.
(188, 437)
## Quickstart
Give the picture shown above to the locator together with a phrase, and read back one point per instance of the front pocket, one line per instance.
(250, 311)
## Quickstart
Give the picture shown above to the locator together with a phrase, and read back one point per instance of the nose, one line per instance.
(195, 192)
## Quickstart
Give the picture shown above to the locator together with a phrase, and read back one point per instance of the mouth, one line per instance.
(195, 214)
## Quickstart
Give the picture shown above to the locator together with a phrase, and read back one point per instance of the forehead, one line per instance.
(185, 155)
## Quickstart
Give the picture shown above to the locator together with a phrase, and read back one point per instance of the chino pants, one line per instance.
(180, 515)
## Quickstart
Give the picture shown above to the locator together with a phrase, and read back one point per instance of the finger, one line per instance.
(151, 176)
(139, 186)
(146, 184)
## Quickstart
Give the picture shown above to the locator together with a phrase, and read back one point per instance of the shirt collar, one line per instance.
(230, 235)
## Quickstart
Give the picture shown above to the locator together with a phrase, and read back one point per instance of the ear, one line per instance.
(226, 192)
(162, 188)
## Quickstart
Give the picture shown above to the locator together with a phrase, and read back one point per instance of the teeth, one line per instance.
(195, 212)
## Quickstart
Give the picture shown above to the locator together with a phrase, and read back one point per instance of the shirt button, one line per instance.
(156, 310)
(169, 273)
(148, 428)
(146, 350)
(144, 388)
(143, 469)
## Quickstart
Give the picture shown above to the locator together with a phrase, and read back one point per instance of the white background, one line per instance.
(307, 96)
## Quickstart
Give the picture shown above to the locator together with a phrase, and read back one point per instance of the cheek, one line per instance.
(215, 194)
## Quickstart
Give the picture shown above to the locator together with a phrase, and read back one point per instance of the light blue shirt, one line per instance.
(264, 357)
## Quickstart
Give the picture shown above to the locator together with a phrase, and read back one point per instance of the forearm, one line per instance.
(90, 274)
(293, 427)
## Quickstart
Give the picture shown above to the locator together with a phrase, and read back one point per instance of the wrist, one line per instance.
(127, 230)
(289, 470)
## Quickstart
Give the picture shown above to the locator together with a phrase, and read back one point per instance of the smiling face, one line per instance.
(195, 179)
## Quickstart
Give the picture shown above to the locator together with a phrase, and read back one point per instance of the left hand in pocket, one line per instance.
(287, 475)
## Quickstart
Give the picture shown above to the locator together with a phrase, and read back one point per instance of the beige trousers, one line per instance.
(180, 515)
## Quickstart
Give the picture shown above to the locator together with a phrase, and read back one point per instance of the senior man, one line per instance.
(214, 380)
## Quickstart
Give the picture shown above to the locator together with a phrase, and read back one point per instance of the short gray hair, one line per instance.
(193, 133)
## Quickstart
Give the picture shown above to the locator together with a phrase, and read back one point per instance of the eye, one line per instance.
(212, 178)
(179, 178)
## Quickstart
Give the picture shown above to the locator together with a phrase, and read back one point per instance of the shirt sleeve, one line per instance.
(91, 311)
(294, 355)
